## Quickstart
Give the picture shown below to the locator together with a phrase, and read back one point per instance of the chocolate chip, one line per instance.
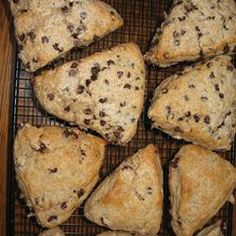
(133, 120)
(204, 98)
(120, 74)
(21, 37)
(122, 104)
(72, 72)
(226, 49)
(221, 95)
(50, 97)
(83, 15)
(42, 148)
(182, 18)
(139, 196)
(136, 88)
(186, 97)
(166, 55)
(16, 1)
(102, 114)
(87, 121)
(80, 193)
(102, 122)
(35, 60)
(112, 13)
(128, 75)
(174, 162)
(230, 68)
(80, 89)
(110, 62)
(31, 35)
(87, 111)
(178, 130)
(106, 81)
(63, 206)
(127, 86)
(67, 109)
(217, 87)
(102, 100)
(127, 167)
(74, 65)
(67, 133)
(70, 27)
(118, 132)
(56, 47)
(207, 119)
(191, 86)
(51, 171)
(45, 39)
(196, 118)
(65, 9)
(71, 4)
(87, 82)
(52, 218)
(94, 71)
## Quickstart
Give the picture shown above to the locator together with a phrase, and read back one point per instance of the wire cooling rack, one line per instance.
(141, 20)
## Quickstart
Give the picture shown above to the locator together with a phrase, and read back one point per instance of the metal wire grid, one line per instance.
(141, 20)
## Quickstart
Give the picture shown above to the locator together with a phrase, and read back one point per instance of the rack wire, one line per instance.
(141, 17)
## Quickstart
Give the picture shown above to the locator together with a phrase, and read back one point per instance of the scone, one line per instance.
(48, 29)
(130, 199)
(52, 232)
(194, 29)
(114, 233)
(212, 230)
(198, 104)
(200, 182)
(56, 168)
(103, 92)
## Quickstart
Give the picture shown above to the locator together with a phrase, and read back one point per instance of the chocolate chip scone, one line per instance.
(47, 29)
(200, 182)
(198, 104)
(130, 199)
(103, 92)
(52, 232)
(195, 29)
(212, 230)
(56, 169)
(114, 233)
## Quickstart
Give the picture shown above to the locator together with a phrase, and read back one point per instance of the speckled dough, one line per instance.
(56, 169)
(114, 233)
(212, 230)
(52, 232)
(47, 29)
(198, 104)
(200, 182)
(131, 198)
(103, 92)
(195, 29)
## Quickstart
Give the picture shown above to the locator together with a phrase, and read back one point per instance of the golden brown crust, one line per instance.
(46, 30)
(56, 170)
(103, 92)
(130, 199)
(52, 232)
(198, 104)
(200, 182)
(195, 29)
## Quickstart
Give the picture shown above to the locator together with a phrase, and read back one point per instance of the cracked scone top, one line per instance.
(200, 182)
(48, 29)
(103, 92)
(56, 169)
(195, 29)
(131, 198)
(198, 104)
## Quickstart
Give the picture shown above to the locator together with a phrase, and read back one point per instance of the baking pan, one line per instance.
(141, 17)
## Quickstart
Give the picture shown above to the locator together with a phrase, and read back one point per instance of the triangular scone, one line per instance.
(200, 182)
(198, 104)
(52, 232)
(47, 29)
(103, 92)
(114, 233)
(130, 199)
(56, 169)
(194, 29)
(212, 230)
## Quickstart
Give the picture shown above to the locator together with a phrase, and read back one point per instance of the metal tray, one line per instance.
(141, 20)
